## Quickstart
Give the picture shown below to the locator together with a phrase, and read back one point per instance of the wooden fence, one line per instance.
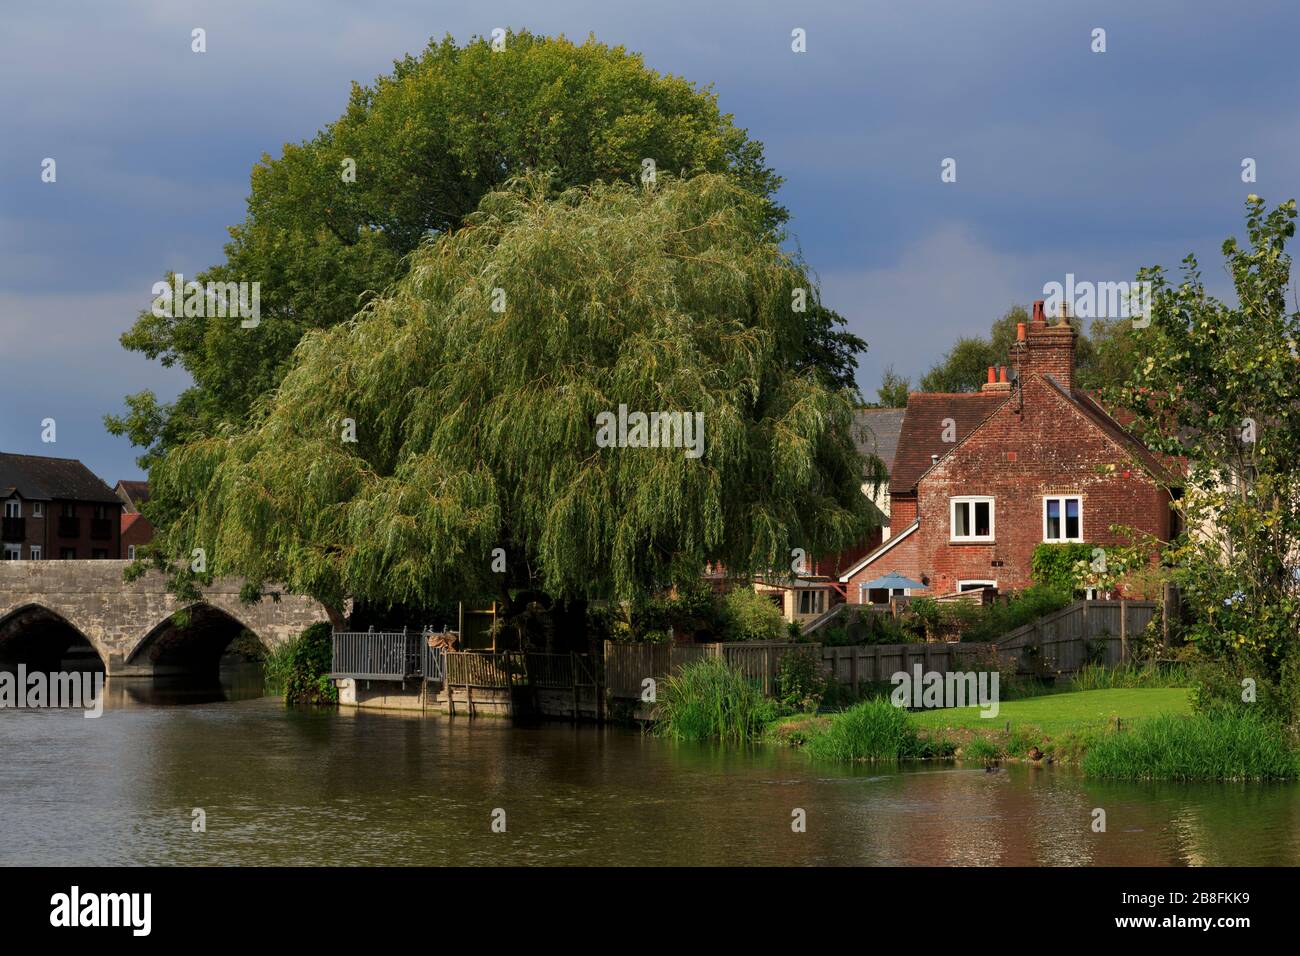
(1096, 632)
(877, 663)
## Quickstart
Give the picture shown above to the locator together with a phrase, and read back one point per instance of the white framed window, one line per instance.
(38, 509)
(130, 552)
(973, 585)
(36, 552)
(880, 595)
(971, 519)
(1063, 518)
(13, 552)
(812, 601)
(13, 508)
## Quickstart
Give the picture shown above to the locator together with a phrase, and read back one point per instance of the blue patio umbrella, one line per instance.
(894, 580)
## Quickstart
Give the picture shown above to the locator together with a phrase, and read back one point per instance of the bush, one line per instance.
(1219, 686)
(299, 668)
(747, 615)
(872, 730)
(1100, 677)
(800, 680)
(1201, 747)
(991, 622)
(1053, 565)
(709, 700)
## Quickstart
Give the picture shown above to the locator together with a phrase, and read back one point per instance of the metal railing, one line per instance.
(376, 655)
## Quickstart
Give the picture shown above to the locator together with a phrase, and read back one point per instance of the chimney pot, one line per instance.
(1021, 333)
(1040, 317)
(992, 375)
(1002, 374)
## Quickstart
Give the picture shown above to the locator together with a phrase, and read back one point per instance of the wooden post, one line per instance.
(573, 679)
(1123, 630)
(853, 669)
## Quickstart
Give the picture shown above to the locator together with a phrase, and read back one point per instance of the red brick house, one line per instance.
(980, 479)
(136, 529)
(56, 509)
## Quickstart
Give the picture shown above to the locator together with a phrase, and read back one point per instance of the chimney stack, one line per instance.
(997, 380)
(1049, 349)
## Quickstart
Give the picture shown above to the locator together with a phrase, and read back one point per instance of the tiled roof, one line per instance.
(923, 430)
(137, 491)
(41, 479)
(876, 431)
(1160, 469)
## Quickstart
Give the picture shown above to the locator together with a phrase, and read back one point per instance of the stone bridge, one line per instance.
(47, 608)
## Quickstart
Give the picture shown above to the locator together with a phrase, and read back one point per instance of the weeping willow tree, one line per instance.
(444, 443)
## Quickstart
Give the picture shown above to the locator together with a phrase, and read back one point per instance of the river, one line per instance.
(291, 787)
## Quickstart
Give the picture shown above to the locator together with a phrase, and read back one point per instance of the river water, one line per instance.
(281, 786)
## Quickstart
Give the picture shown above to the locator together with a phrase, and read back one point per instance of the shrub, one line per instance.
(747, 615)
(993, 621)
(801, 682)
(299, 668)
(1132, 674)
(710, 700)
(1218, 687)
(1200, 747)
(1053, 565)
(872, 730)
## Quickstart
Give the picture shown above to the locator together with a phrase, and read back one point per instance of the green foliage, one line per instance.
(1131, 674)
(1054, 565)
(893, 389)
(1200, 747)
(298, 669)
(1217, 386)
(746, 615)
(691, 609)
(429, 140)
(991, 622)
(709, 700)
(1100, 360)
(872, 730)
(477, 429)
(1239, 686)
(801, 681)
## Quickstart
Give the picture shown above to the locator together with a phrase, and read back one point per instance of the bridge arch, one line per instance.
(193, 648)
(43, 638)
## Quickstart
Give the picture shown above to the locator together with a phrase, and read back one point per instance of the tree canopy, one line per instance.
(1219, 385)
(1104, 356)
(331, 221)
(473, 391)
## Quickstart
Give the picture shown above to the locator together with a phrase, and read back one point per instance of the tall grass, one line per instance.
(1130, 675)
(1195, 748)
(709, 700)
(872, 730)
(277, 665)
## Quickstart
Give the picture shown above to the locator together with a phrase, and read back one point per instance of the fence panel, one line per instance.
(480, 669)
(1080, 633)
(375, 655)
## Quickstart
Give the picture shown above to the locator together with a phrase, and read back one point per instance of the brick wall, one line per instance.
(1048, 448)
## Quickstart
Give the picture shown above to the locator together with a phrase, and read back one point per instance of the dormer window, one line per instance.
(1063, 518)
(972, 519)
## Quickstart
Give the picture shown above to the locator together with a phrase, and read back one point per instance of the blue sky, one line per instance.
(1067, 160)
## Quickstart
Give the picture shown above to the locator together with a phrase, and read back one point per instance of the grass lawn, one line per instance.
(1056, 713)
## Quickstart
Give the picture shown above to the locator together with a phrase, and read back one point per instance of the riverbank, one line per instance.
(1127, 733)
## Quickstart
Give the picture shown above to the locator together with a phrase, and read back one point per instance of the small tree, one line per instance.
(1219, 386)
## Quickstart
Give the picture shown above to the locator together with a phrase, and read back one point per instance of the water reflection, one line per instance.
(319, 787)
